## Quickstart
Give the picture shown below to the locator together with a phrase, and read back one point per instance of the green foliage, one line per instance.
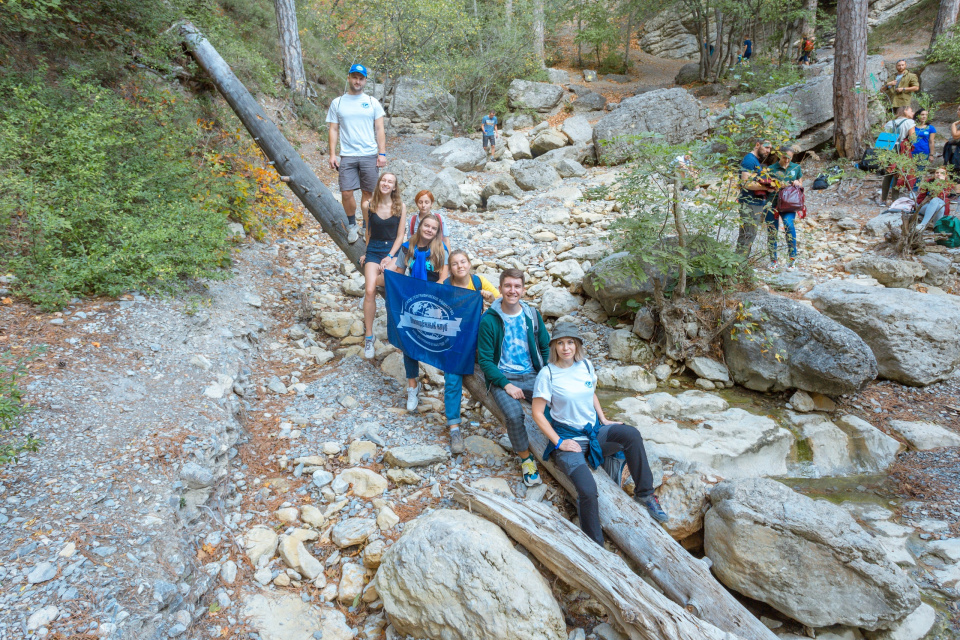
(98, 194)
(947, 49)
(763, 75)
(599, 30)
(12, 408)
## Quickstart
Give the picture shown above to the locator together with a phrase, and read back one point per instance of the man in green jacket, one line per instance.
(512, 346)
(902, 87)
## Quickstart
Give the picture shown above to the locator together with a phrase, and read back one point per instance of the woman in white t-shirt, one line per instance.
(580, 434)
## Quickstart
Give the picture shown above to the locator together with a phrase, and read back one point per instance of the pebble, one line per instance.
(42, 573)
(228, 572)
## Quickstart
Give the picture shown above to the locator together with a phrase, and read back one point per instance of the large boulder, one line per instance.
(939, 82)
(666, 35)
(615, 280)
(558, 76)
(539, 96)
(446, 189)
(589, 101)
(688, 73)
(672, 113)
(501, 185)
(455, 576)
(809, 559)
(914, 336)
(532, 175)
(890, 272)
(556, 302)
(577, 129)
(462, 153)
(816, 354)
(519, 146)
(547, 140)
(421, 101)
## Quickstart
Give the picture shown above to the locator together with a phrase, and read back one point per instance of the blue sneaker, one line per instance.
(653, 507)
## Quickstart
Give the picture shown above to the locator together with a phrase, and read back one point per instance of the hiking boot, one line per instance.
(413, 398)
(531, 477)
(368, 350)
(456, 441)
(653, 508)
(353, 233)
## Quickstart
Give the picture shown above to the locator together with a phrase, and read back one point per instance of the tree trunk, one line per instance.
(299, 177)
(850, 68)
(682, 578)
(538, 32)
(635, 607)
(626, 49)
(681, 289)
(808, 24)
(946, 17)
(290, 51)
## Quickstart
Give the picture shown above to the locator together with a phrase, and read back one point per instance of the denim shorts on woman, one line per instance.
(377, 250)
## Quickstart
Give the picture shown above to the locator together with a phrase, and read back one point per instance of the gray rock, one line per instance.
(547, 140)
(276, 386)
(495, 203)
(556, 303)
(164, 594)
(420, 100)
(924, 436)
(321, 478)
(626, 347)
(455, 575)
(518, 121)
(709, 368)
(672, 113)
(589, 102)
(912, 335)
(688, 73)
(938, 268)
(614, 281)
(519, 147)
(644, 325)
(501, 185)
(532, 175)
(889, 272)
(808, 559)
(539, 96)
(589, 75)
(462, 153)
(43, 572)
(415, 455)
(228, 572)
(577, 129)
(570, 169)
(196, 476)
(817, 354)
(884, 223)
(42, 617)
(352, 531)
(446, 188)
(939, 82)
(558, 76)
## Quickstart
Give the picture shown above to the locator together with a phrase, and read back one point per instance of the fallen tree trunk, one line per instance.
(299, 177)
(682, 578)
(636, 607)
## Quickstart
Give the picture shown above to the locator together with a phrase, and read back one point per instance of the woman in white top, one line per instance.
(580, 434)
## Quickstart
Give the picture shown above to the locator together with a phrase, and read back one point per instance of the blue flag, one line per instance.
(433, 323)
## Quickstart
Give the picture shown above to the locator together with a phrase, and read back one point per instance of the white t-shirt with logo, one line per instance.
(568, 392)
(356, 115)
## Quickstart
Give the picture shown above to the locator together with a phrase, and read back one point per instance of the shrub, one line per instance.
(12, 408)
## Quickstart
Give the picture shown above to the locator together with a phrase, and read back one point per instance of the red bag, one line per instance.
(791, 200)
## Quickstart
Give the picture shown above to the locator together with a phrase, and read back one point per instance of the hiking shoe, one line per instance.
(654, 509)
(368, 350)
(456, 441)
(353, 233)
(531, 477)
(413, 398)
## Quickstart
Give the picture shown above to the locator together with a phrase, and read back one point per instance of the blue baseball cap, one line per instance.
(358, 68)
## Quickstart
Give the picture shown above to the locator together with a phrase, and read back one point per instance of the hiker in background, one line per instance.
(933, 206)
(424, 257)
(951, 150)
(461, 276)
(786, 173)
(356, 122)
(382, 223)
(901, 87)
(926, 139)
(489, 124)
(512, 346)
(903, 126)
(806, 48)
(753, 195)
(580, 435)
(747, 50)
(424, 201)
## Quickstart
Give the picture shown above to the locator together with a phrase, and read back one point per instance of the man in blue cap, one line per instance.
(356, 122)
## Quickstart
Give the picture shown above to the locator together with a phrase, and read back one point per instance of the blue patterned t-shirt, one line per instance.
(515, 352)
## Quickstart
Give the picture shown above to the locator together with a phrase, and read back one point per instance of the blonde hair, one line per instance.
(578, 354)
(459, 252)
(438, 255)
(377, 199)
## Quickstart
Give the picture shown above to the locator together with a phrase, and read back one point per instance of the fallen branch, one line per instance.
(636, 607)
(682, 578)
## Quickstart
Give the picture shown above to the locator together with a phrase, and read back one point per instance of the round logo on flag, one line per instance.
(429, 322)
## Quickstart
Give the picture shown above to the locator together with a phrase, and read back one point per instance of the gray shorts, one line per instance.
(358, 172)
(489, 141)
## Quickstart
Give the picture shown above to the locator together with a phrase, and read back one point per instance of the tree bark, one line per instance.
(681, 234)
(946, 18)
(290, 51)
(299, 177)
(538, 32)
(626, 48)
(636, 607)
(808, 24)
(850, 68)
(682, 578)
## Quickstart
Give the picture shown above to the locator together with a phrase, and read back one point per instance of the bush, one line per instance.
(761, 76)
(98, 193)
(12, 408)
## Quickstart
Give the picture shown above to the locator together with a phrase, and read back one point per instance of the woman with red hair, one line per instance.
(424, 202)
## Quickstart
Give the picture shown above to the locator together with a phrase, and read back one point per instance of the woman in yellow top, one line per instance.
(460, 276)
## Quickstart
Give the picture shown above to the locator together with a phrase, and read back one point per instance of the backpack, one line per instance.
(808, 44)
(790, 200)
(868, 162)
(820, 183)
(474, 278)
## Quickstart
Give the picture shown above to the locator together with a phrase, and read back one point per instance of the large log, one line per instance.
(299, 177)
(682, 578)
(636, 607)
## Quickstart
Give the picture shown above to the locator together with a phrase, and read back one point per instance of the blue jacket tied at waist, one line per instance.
(593, 453)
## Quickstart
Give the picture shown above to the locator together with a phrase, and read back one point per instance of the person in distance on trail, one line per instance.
(786, 173)
(424, 201)
(383, 224)
(806, 48)
(901, 87)
(512, 346)
(489, 124)
(424, 257)
(580, 435)
(461, 276)
(356, 122)
(753, 195)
